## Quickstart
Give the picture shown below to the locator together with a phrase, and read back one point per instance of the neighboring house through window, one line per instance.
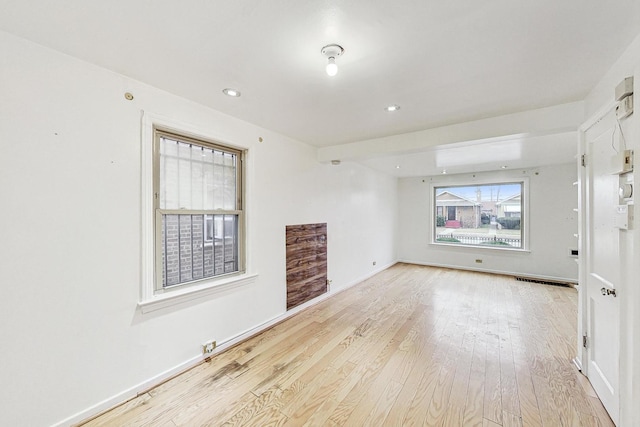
(510, 207)
(482, 215)
(458, 210)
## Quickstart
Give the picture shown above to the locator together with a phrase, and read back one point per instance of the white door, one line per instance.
(602, 264)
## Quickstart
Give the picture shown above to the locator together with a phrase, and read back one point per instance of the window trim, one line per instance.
(150, 299)
(195, 291)
(463, 181)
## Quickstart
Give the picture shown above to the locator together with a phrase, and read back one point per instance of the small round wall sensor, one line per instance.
(128, 96)
(626, 191)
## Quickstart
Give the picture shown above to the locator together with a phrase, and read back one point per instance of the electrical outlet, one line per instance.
(207, 348)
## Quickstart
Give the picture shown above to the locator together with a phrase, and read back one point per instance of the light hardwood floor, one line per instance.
(413, 345)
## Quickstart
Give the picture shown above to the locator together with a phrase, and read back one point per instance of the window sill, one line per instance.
(179, 296)
(481, 247)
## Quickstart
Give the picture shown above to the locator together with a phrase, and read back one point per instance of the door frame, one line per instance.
(583, 237)
(581, 359)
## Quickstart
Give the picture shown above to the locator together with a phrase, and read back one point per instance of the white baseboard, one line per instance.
(128, 394)
(577, 363)
(156, 380)
(487, 270)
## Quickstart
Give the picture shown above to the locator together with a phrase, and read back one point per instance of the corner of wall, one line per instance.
(602, 93)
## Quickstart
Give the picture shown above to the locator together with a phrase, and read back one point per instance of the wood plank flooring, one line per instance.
(411, 346)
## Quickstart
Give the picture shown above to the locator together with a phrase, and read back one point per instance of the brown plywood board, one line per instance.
(306, 262)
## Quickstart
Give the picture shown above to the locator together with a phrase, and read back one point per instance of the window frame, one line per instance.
(150, 300)
(466, 181)
(158, 134)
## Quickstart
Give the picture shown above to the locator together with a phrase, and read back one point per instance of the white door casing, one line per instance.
(601, 264)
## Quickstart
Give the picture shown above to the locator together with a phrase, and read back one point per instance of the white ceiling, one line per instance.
(442, 62)
(518, 152)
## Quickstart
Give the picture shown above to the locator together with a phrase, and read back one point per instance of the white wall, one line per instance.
(73, 339)
(629, 290)
(552, 224)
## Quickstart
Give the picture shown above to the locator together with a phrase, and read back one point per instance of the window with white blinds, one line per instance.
(199, 216)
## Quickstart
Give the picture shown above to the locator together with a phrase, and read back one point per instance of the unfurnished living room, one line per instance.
(319, 213)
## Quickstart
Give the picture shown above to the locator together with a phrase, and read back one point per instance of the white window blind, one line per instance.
(195, 177)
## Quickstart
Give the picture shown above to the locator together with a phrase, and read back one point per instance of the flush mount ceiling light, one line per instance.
(331, 51)
(392, 107)
(231, 92)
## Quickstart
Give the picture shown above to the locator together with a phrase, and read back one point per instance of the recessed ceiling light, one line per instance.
(397, 166)
(444, 171)
(504, 167)
(393, 107)
(231, 92)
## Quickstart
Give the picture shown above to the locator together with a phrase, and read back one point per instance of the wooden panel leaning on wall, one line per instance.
(306, 262)
(412, 345)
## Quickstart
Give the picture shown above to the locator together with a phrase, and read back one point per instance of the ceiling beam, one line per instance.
(540, 122)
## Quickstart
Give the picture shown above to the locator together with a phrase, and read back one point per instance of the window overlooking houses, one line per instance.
(198, 205)
(487, 215)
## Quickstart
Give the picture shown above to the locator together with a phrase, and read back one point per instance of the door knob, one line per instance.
(606, 291)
